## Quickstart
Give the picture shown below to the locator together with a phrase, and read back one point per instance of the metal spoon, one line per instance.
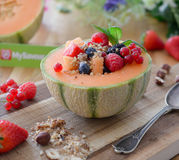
(130, 142)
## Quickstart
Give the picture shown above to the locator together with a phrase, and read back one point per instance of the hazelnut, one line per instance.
(159, 81)
(177, 78)
(161, 74)
(166, 67)
(43, 138)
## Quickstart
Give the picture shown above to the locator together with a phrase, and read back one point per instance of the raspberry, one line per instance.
(124, 51)
(9, 97)
(8, 106)
(21, 96)
(114, 62)
(16, 104)
(29, 89)
(57, 67)
(10, 82)
(101, 38)
(139, 60)
(128, 59)
(135, 55)
(13, 91)
(3, 87)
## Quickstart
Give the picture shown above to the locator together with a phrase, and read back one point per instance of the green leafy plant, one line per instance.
(170, 15)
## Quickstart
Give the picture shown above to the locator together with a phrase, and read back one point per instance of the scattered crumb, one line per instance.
(63, 144)
(41, 153)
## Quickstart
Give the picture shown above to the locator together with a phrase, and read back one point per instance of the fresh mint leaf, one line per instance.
(101, 29)
(115, 33)
(128, 42)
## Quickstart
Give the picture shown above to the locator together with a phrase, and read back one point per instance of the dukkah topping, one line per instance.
(60, 142)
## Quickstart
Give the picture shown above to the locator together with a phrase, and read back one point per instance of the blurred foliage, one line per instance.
(95, 12)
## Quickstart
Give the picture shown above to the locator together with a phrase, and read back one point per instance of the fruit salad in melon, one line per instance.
(95, 78)
(19, 19)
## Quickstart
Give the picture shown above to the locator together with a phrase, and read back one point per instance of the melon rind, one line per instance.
(101, 101)
(26, 33)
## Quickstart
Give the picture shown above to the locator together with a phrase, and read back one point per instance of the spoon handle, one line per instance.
(130, 142)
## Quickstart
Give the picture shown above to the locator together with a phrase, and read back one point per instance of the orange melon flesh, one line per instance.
(23, 14)
(126, 73)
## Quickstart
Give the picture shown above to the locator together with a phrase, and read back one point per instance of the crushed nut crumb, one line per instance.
(63, 144)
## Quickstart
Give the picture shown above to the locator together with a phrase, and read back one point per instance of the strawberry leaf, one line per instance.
(1, 138)
(142, 37)
(128, 42)
(1, 146)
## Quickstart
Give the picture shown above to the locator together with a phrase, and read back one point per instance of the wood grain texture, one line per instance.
(55, 30)
(102, 132)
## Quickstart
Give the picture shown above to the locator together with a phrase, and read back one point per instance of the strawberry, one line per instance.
(29, 89)
(11, 135)
(151, 41)
(172, 46)
(73, 50)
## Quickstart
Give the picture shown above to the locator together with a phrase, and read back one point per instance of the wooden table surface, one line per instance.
(57, 28)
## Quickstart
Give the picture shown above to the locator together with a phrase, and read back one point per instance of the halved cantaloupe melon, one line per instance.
(96, 96)
(19, 19)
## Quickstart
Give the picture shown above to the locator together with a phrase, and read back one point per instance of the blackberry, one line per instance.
(90, 52)
(115, 48)
(84, 68)
(106, 70)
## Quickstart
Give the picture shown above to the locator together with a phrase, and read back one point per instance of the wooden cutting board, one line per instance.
(101, 132)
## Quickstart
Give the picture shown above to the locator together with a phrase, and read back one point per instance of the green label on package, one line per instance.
(22, 55)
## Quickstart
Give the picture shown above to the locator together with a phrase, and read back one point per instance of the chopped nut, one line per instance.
(83, 136)
(161, 74)
(43, 138)
(52, 154)
(41, 153)
(64, 144)
(159, 81)
(166, 67)
(177, 78)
